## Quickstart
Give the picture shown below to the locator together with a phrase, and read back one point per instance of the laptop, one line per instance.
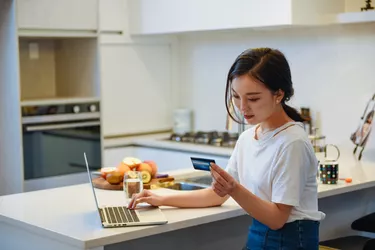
(121, 216)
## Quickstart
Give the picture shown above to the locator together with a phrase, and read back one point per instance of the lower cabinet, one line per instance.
(166, 159)
(113, 156)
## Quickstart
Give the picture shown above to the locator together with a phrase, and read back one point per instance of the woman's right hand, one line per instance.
(145, 196)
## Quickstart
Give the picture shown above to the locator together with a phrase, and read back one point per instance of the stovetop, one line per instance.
(213, 138)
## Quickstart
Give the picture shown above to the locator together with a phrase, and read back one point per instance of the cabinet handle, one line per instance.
(76, 165)
(62, 126)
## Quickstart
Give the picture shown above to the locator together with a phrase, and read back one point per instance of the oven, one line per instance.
(55, 136)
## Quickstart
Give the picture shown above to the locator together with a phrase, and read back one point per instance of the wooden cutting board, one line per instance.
(101, 183)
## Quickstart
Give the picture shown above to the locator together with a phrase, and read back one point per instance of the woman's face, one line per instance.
(253, 99)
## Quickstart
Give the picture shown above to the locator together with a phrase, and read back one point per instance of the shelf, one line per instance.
(60, 100)
(58, 68)
(356, 17)
(54, 33)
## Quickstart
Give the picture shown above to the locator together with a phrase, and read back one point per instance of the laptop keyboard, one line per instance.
(120, 215)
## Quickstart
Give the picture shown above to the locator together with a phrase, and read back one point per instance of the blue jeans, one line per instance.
(297, 235)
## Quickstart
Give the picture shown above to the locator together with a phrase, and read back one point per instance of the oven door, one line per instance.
(52, 150)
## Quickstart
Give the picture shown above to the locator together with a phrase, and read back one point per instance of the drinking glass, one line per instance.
(132, 184)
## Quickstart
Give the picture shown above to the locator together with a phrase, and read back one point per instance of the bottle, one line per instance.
(305, 113)
(182, 121)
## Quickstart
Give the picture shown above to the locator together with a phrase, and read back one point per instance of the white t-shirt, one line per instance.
(280, 167)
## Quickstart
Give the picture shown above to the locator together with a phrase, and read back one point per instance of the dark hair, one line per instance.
(268, 66)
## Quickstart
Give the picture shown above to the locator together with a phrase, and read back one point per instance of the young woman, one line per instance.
(272, 171)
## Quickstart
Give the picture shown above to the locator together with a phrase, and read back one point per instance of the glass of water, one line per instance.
(132, 184)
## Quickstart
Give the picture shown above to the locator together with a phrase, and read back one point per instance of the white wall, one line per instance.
(332, 69)
(11, 157)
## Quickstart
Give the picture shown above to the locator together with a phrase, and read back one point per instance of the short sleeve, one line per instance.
(290, 173)
(232, 166)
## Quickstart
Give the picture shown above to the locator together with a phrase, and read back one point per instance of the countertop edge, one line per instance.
(230, 211)
(233, 211)
(43, 232)
(169, 227)
(345, 189)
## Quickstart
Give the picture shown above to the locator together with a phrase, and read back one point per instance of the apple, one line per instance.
(153, 165)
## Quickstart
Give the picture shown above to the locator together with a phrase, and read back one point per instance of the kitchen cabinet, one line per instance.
(113, 156)
(166, 159)
(176, 16)
(112, 16)
(58, 15)
(136, 88)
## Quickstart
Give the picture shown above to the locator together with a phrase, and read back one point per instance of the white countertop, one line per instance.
(131, 140)
(362, 174)
(160, 141)
(69, 214)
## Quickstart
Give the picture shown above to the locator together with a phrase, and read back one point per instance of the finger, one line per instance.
(214, 174)
(218, 187)
(216, 183)
(221, 194)
(135, 197)
(220, 171)
(218, 191)
(219, 179)
(142, 200)
(131, 202)
(134, 201)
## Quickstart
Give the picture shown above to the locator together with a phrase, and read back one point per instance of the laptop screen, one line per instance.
(92, 186)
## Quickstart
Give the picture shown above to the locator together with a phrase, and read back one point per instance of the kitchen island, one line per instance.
(66, 218)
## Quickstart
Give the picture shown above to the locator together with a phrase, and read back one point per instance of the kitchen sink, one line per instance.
(205, 180)
(187, 186)
(193, 183)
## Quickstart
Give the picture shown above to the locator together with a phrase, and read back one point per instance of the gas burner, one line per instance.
(214, 138)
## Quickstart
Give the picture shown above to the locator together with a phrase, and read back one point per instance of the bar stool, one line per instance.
(365, 224)
(355, 242)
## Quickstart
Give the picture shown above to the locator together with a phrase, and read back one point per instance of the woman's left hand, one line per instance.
(223, 184)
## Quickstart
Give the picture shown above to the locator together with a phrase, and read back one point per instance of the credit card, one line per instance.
(201, 163)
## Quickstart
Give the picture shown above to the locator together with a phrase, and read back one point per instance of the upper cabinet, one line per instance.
(58, 15)
(112, 15)
(177, 16)
(136, 88)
